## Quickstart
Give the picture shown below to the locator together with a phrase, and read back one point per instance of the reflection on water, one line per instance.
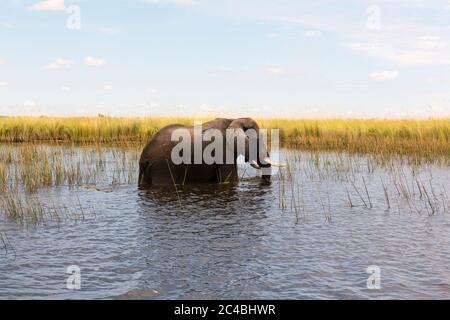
(234, 241)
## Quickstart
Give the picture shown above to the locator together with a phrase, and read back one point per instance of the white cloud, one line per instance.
(311, 33)
(59, 64)
(441, 79)
(108, 31)
(49, 5)
(176, 2)
(107, 87)
(402, 55)
(94, 62)
(276, 71)
(3, 84)
(30, 104)
(383, 75)
(397, 41)
(6, 25)
(65, 88)
(430, 42)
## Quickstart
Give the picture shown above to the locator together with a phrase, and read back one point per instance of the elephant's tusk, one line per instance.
(274, 164)
(254, 164)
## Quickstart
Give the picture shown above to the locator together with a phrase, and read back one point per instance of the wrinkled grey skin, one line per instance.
(155, 160)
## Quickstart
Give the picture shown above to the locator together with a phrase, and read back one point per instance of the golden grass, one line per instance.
(83, 154)
(82, 129)
(423, 138)
(428, 138)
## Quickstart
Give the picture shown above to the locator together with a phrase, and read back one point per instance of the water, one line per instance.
(235, 242)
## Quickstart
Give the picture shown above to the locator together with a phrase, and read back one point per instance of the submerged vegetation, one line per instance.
(28, 171)
(28, 167)
(365, 183)
(379, 164)
(428, 138)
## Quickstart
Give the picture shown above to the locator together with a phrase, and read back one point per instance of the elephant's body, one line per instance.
(156, 166)
(156, 160)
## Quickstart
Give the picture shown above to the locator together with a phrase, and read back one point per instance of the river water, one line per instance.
(310, 234)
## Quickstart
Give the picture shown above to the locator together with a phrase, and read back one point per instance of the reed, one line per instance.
(29, 210)
(28, 171)
(360, 183)
(427, 138)
(99, 152)
(29, 167)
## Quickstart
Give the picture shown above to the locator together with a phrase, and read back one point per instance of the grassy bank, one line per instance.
(424, 138)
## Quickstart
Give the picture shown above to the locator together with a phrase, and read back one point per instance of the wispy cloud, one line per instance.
(108, 31)
(107, 87)
(3, 84)
(49, 5)
(29, 103)
(94, 62)
(439, 79)
(383, 75)
(176, 2)
(276, 71)
(400, 40)
(312, 33)
(6, 25)
(430, 42)
(59, 64)
(65, 88)
(404, 55)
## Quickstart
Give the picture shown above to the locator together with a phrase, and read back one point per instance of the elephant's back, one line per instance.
(160, 144)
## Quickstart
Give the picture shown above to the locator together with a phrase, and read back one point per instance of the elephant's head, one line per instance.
(255, 149)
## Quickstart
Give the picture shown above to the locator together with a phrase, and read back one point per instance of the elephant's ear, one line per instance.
(238, 130)
(233, 136)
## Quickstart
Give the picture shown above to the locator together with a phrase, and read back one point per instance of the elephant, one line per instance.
(157, 166)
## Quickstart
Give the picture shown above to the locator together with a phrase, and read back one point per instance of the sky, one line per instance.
(283, 58)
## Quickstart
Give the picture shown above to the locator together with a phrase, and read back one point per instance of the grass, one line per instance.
(28, 167)
(39, 153)
(428, 138)
(29, 171)
(365, 183)
(421, 138)
(31, 210)
(82, 130)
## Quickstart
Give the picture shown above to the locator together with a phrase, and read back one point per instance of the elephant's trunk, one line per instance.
(266, 174)
(266, 163)
(266, 167)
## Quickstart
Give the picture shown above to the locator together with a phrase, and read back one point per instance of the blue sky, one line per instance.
(351, 58)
